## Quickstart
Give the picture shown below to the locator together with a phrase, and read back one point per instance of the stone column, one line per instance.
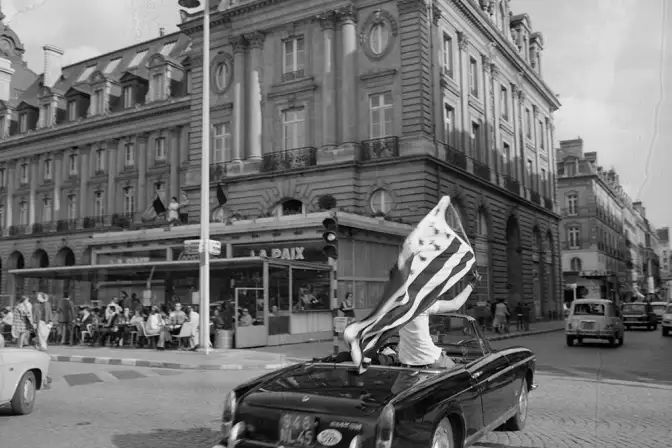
(174, 154)
(521, 138)
(497, 145)
(552, 157)
(239, 47)
(517, 151)
(34, 165)
(463, 44)
(11, 186)
(349, 101)
(141, 190)
(536, 138)
(328, 24)
(58, 184)
(486, 150)
(255, 98)
(84, 173)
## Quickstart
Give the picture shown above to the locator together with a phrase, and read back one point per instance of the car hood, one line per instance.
(335, 388)
(21, 355)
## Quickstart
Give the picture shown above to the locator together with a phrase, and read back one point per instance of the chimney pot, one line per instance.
(162, 31)
(52, 65)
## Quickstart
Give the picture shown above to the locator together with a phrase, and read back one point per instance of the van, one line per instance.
(594, 319)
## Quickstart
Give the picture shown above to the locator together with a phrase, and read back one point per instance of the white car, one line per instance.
(22, 373)
(667, 320)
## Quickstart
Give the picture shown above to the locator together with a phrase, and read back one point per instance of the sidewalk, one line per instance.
(263, 358)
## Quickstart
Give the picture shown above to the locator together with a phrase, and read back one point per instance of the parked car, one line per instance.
(639, 314)
(667, 320)
(22, 373)
(659, 309)
(328, 403)
(594, 319)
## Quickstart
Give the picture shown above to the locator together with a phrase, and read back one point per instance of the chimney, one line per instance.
(572, 147)
(52, 65)
(6, 72)
(162, 31)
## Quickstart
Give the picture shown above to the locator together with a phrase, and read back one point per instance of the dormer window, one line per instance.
(157, 87)
(128, 97)
(72, 110)
(45, 115)
(23, 122)
(98, 102)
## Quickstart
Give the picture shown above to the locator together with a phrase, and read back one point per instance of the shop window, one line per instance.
(381, 202)
(290, 207)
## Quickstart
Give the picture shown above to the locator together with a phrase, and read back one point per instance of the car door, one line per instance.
(496, 383)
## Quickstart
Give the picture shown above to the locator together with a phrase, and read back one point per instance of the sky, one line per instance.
(609, 61)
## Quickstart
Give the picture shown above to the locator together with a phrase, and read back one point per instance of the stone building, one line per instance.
(386, 106)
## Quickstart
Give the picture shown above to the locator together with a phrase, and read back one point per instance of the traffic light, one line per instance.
(330, 237)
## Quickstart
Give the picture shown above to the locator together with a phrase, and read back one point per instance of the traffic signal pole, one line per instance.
(334, 302)
(330, 237)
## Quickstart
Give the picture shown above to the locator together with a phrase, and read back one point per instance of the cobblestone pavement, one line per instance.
(148, 409)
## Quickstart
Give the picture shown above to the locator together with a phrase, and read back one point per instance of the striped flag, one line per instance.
(434, 258)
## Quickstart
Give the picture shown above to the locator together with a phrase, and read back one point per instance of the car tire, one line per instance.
(612, 341)
(666, 332)
(570, 341)
(444, 436)
(621, 340)
(655, 327)
(24, 396)
(517, 422)
(627, 328)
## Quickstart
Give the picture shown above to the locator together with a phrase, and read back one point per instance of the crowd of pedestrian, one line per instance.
(496, 316)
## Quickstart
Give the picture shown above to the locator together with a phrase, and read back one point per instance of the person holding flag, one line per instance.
(434, 258)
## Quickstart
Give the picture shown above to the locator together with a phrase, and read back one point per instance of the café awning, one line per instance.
(111, 272)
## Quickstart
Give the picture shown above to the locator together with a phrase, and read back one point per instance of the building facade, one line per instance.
(663, 251)
(385, 106)
(607, 242)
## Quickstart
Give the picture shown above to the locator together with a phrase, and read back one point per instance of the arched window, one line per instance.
(290, 207)
(576, 265)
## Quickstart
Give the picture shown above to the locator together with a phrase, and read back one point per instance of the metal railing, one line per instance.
(512, 185)
(455, 157)
(481, 169)
(288, 159)
(535, 197)
(548, 203)
(380, 148)
(293, 76)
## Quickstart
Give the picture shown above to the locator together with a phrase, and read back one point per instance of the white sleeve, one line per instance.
(450, 306)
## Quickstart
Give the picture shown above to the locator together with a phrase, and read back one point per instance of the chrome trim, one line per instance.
(492, 426)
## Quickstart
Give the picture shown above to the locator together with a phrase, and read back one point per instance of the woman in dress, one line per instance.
(174, 211)
(23, 322)
(347, 307)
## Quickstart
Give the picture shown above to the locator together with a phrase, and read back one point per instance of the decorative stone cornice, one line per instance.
(522, 96)
(327, 20)
(256, 39)
(142, 137)
(437, 14)
(347, 15)
(462, 40)
(239, 44)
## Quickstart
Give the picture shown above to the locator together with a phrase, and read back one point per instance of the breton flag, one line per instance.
(433, 259)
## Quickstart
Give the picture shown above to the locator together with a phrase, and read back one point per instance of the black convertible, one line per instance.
(329, 404)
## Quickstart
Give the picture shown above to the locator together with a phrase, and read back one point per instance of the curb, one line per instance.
(521, 335)
(131, 362)
(645, 385)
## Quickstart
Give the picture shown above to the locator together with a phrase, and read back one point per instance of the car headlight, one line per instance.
(229, 413)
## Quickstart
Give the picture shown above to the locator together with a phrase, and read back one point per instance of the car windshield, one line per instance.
(659, 309)
(634, 308)
(458, 336)
(589, 309)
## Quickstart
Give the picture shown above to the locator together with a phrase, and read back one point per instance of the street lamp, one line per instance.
(204, 266)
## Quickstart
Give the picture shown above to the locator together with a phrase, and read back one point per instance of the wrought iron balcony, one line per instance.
(218, 170)
(289, 159)
(455, 157)
(481, 170)
(535, 197)
(293, 76)
(548, 203)
(512, 185)
(380, 148)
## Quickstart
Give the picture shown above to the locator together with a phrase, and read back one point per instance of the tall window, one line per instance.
(160, 149)
(24, 173)
(129, 200)
(507, 159)
(572, 204)
(475, 138)
(128, 97)
(72, 207)
(45, 115)
(448, 124)
(23, 123)
(504, 103)
(72, 110)
(576, 265)
(473, 76)
(293, 54)
(293, 128)
(23, 213)
(574, 237)
(381, 115)
(47, 210)
(530, 170)
(221, 148)
(72, 164)
(48, 169)
(98, 204)
(2, 216)
(100, 159)
(129, 154)
(98, 102)
(542, 175)
(448, 55)
(3, 178)
(528, 123)
(542, 139)
(157, 86)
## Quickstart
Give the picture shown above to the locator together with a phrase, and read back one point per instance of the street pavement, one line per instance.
(139, 407)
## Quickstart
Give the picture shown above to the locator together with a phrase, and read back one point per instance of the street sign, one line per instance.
(193, 247)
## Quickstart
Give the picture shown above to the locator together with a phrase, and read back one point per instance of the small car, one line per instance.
(639, 314)
(659, 309)
(594, 319)
(667, 320)
(329, 403)
(22, 373)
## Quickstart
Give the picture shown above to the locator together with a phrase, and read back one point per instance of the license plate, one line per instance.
(587, 325)
(297, 430)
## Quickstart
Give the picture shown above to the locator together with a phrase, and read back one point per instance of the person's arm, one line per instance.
(449, 306)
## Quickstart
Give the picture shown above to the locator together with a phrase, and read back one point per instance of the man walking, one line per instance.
(43, 320)
(66, 320)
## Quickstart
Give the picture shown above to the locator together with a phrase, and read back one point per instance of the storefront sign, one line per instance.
(288, 253)
(143, 256)
(595, 273)
(299, 251)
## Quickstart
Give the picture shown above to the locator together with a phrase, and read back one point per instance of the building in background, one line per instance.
(663, 251)
(310, 102)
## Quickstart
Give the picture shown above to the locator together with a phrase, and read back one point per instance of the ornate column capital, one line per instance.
(495, 72)
(487, 63)
(522, 96)
(239, 44)
(437, 14)
(35, 158)
(256, 39)
(347, 15)
(462, 40)
(142, 137)
(327, 20)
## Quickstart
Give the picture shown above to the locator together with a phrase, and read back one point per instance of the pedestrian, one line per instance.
(23, 322)
(519, 316)
(66, 320)
(527, 312)
(43, 320)
(501, 312)
(348, 308)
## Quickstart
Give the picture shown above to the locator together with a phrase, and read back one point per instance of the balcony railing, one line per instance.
(455, 157)
(548, 203)
(293, 76)
(512, 185)
(218, 170)
(481, 170)
(291, 158)
(535, 197)
(380, 148)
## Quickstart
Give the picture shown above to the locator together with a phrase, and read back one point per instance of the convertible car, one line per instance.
(324, 403)
(22, 373)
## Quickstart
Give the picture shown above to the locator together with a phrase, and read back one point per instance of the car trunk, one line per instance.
(588, 323)
(322, 396)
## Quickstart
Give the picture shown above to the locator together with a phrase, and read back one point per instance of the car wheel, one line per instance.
(579, 340)
(24, 395)
(517, 422)
(666, 332)
(570, 341)
(612, 341)
(627, 328)
(443, 435)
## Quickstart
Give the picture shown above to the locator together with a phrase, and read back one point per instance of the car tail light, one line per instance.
(229, 413)
(385, 429)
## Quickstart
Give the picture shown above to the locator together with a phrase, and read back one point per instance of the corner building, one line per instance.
(385, 106)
